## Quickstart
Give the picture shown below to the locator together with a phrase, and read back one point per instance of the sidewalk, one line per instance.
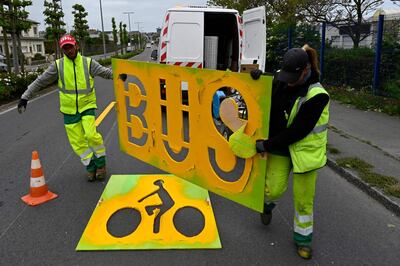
(371, 137)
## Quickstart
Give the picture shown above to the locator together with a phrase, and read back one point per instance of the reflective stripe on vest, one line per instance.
(88, 89)
(309, 153)
(76, 85)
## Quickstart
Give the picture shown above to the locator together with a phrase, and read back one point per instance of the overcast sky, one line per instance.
(150, 12)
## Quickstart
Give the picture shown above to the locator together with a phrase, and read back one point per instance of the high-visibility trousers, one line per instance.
(277, 176)
(86, 142)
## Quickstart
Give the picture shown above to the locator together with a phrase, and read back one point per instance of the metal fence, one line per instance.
(374, 66)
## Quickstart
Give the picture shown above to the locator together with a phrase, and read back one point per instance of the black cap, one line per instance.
(294, 62)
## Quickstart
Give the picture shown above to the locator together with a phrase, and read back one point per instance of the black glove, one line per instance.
(22, 105)
(123, 76)
(255, 74)
(260, 146)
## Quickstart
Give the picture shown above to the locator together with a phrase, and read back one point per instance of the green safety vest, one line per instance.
(309, 153)
(76, 85)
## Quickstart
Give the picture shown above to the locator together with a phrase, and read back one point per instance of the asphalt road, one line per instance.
(350, 228)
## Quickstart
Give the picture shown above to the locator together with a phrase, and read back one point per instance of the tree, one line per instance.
(14, 22)
(81, 26)
(53, 18)
(6, 26)
(121, 37)
(347, 16)
(115, 33)
(21, 24)
(125, 35)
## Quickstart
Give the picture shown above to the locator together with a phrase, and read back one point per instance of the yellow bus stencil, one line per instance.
(175, 131)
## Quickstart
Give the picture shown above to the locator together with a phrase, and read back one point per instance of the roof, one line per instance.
(32, 21)
(202, 9)
(390, 13)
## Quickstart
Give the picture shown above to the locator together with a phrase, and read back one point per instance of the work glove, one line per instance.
(22, 105)
(255, 74)
(123, 76)
(260, 146)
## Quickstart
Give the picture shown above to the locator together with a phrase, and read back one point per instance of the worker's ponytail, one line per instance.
(313, 57)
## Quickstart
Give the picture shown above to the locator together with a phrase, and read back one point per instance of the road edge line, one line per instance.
(104, 113)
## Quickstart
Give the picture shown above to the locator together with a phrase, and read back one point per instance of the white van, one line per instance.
(212, 37)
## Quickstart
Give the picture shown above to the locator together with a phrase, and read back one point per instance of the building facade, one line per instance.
(31, 42)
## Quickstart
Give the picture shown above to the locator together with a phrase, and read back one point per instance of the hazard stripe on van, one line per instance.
(187, 64)
(163, 51)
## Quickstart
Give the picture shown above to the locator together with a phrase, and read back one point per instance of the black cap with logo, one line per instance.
(294, 62)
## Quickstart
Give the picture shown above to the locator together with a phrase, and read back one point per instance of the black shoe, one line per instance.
(91, 176)
(101, 173)
(266, 215)
(304, 251)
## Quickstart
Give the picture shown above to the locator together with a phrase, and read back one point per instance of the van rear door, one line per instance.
(254, 27)
(185, 41)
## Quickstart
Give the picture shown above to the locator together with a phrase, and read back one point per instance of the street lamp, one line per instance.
(129, 23)
(138, 28)
(102, 30)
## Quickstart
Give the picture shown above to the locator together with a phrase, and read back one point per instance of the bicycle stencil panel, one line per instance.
(165, 119)
(147, 211)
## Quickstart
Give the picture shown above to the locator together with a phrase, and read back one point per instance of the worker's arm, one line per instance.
(48, 77)
(98, 70)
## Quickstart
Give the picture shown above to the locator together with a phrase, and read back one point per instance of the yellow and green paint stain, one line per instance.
(156, 200)
(174, 131)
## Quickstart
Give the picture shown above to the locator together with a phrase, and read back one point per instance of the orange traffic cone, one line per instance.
(38, 191)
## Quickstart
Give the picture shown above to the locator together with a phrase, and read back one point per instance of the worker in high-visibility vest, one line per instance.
(74, 74)
(297, 140)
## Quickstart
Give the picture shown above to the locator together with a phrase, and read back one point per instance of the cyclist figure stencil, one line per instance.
(166, 203)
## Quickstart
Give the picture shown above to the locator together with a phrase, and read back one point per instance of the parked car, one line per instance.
(154, 55)
(148, 45)
(3, 67)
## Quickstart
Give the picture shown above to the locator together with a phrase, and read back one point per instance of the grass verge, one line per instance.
(364, 100)
(388, 184)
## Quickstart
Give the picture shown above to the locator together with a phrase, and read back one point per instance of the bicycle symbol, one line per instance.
(157, 210)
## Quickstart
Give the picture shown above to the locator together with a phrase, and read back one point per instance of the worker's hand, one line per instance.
(255, 74)
(123, 76)
(22, 105)
(260, 146)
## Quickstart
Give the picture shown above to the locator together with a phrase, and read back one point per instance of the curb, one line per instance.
(370, 190)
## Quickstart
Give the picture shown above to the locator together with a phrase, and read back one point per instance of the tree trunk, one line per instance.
(20, 54)
(14, 42)
(7, 52)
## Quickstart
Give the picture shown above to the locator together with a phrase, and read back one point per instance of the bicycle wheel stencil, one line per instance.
(151, 212)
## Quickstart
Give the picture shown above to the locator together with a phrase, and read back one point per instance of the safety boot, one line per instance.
(101, 173)
(266, 215)
(304, 251)
(91, 176)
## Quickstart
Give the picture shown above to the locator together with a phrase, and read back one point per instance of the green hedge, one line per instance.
(352, 67)
(107, 61)
(12, 85)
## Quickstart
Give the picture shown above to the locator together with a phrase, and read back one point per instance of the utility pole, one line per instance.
(102, 30)
(129, 23)
(138, 28)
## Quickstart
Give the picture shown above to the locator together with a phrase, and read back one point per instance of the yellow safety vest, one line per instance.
(309, 153)
(76, 85)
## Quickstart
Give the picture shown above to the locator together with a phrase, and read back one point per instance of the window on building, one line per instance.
(1, 49)
(24, 49)
(35, 30)
(39, 48)
(30, 48)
